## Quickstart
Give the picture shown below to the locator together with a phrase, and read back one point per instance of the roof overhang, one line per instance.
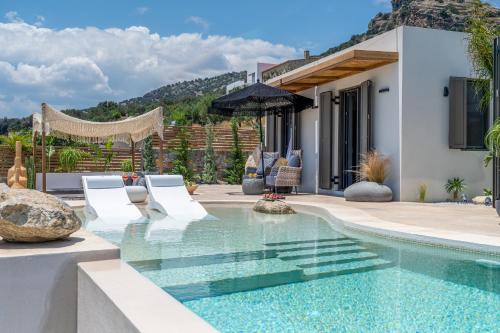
(332, 68)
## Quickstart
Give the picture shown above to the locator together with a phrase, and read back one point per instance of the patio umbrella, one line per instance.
(259, 100)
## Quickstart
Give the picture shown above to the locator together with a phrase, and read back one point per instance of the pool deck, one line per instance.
(471, 227)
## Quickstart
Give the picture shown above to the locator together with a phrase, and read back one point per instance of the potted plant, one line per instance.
(373, 170)
(455, 186)
(191, 186)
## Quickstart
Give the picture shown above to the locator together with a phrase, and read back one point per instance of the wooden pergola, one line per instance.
(130, 131)
(332, 68)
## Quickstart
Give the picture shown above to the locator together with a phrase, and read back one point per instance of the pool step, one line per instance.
(347, 267)
(324, 252)
(207, 274)
(333, 259)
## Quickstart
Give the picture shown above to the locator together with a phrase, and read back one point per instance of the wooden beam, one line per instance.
(353, 62)
(160, 157)
(132, 148)
(44, 160)
(33, 154)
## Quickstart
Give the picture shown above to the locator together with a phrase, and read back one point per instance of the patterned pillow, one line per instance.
(294, 161)
(268, 162)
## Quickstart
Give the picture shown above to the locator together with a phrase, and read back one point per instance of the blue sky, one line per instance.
(294, 23)
(74, 54)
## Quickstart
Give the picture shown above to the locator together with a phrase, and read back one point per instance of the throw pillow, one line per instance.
(268, 162)
(294, 161)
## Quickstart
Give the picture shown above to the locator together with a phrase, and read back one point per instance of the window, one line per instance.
(469, 117)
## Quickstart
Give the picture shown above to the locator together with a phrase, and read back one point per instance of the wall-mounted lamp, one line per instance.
(383, 90)
(446, 92)
(336, 100)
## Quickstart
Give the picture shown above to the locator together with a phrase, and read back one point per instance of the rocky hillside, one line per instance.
(198, 87)
(438, 14)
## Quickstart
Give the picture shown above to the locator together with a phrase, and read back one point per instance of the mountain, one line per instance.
(438, 14)
(184, 89)
(181, 98)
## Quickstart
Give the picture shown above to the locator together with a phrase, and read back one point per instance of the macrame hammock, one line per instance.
(129, 131)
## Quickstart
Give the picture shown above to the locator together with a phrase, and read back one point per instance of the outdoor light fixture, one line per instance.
(446, 92)
(383, 90)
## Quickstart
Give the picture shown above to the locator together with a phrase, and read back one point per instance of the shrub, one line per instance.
(182, 165)
(374, 167)
(109, 154)
(236, 161)
(148, 155)
(209, 165)
(488, 192)
(455, 186)
(69, 158)
(29, 164)
(11, 139)
(422, 192)
(126, 166)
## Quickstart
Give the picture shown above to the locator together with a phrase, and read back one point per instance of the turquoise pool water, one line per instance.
(248, 272)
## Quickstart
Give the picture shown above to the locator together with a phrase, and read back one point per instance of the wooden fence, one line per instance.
(222, 144)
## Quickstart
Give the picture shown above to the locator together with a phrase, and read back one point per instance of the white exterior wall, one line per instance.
(410, 122)
(429, 58)
(385, 112)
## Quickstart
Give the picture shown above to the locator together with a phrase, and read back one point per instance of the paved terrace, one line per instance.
(446, 217)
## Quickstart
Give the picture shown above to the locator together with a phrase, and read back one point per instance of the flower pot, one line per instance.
(191, 188)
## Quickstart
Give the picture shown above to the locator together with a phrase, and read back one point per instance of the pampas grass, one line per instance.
(374, 167)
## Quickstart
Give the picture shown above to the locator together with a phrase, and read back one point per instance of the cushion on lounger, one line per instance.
(102, 182)
(166, 180)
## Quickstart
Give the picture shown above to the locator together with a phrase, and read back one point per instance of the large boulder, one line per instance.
(32, 216)
(368, 192)
(273, 207)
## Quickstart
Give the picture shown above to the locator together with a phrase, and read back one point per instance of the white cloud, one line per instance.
(39, 20)
(78, 67)
(142, 10)
(13, 16)
(199, 21)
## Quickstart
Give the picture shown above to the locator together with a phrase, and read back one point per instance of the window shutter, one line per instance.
(365, 118)
(457, 132)
(325, 143)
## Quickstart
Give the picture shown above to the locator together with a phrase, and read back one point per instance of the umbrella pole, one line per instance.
(262, 149)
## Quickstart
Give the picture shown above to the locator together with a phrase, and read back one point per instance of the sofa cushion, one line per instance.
(294, 161)
(103, 182)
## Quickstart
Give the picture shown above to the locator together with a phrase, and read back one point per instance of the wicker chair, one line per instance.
(286, 176)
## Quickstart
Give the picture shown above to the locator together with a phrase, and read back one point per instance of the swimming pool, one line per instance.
(249, 272)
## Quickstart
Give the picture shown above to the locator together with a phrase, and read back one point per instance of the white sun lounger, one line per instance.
(107, 199)
(168, 195)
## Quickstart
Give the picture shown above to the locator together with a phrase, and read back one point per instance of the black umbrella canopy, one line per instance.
(258, 99)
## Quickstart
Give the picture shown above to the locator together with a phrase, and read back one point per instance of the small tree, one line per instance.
(455, 186)
(209, 165)
(482, 32)
(236, 160)
(148, 154)
(182, 165)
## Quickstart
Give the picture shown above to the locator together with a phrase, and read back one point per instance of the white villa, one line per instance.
(406, 93)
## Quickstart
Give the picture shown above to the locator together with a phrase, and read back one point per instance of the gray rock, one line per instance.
(273, 207)
(32, 216)
(368, 191)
